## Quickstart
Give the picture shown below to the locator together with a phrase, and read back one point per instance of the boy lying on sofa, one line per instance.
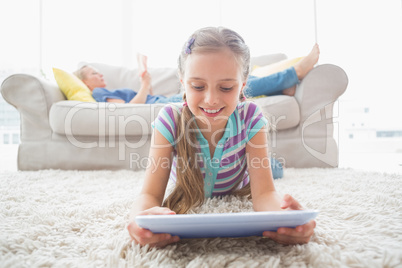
(283, 82)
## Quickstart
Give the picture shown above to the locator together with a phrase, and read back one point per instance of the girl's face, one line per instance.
(93, 78)
(213, 82)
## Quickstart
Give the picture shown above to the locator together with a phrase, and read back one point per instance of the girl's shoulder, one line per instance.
(246, 104)
(171, 113)
(245, 108)
(173, 109)
(167, 120)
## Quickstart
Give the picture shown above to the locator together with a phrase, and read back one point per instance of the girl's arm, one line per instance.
(151, 197)
(264, 195)
(157, 173)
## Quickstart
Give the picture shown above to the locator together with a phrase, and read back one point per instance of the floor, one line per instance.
(379, 161)
(8, 157)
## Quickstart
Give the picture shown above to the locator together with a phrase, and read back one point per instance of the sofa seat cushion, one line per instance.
(73, 118)
(283, 111)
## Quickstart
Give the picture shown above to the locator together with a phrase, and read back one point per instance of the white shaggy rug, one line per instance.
(78, 219)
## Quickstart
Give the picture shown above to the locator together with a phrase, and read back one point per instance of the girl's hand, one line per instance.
(291, 236)
(146, 237)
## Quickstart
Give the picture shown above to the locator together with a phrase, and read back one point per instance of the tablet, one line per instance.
(224, 224)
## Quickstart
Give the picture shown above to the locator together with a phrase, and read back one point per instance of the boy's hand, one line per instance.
(291, 236)
(146, 237)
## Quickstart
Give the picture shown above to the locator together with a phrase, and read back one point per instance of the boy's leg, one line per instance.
(270, 85)
(277, 168)
(283, 82)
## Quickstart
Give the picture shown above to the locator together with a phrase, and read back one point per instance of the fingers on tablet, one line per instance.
(157, 211)
(290, 203)
(290, 236)
(158, 240)
(164, 243)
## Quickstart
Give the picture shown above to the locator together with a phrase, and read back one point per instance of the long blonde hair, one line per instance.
(189, 188)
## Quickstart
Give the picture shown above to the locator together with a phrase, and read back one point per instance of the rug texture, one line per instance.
(56, 218)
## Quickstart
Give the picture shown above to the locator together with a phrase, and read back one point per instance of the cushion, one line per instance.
(72, 87)
(276, 67)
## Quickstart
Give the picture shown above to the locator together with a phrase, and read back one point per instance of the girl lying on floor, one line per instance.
(215, 142)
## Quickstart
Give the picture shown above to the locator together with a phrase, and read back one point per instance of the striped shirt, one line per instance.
(228, 166)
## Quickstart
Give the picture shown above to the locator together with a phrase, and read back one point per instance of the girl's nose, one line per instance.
(211, 97)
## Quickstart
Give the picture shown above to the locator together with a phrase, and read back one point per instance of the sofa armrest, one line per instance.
(320, 87)
(32, 97)
(312, 143)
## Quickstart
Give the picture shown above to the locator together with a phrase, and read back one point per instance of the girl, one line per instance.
(213, 144)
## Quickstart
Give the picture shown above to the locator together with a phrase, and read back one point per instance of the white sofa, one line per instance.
(61, 134)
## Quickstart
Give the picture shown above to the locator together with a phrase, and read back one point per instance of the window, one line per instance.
(6, 138)
(16, 138)
(389, 134)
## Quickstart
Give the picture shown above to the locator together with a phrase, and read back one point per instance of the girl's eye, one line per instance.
(196, 87)
(226, 88)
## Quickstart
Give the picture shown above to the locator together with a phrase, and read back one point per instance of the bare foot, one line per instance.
(146, 83)
(307, 63)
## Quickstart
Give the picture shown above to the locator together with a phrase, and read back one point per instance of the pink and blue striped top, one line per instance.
(228, 166)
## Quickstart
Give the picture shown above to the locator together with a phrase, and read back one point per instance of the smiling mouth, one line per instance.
(211, 111)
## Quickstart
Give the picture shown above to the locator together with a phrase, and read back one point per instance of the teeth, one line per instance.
(211, 111)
